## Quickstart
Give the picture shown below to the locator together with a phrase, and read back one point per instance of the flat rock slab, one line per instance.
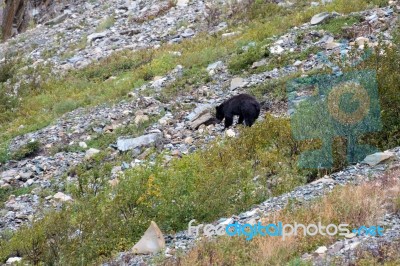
(182, 3)
(130, 144)
(94, 36)
(237, 83)
(57, 20)
(206, 119)
(198, 111)
(319, 18)
(377, 158)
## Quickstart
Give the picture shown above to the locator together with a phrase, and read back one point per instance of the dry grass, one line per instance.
(354, 205)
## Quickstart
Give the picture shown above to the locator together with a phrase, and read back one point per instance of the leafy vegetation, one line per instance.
(29, 149)
(105, 24)
(355, 205)
(336, 25)
(5, 193)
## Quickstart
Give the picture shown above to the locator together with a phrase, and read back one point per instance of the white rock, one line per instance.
(319, 18)
(189, 140)
(94, 36)
(297, 63)
(350, 235)
(91, 152)
(321, 250)
(228, 35)
(29, 182)
(332, 45)
(151, 242)
(141, 119)
(230, 133)
(182, 3)
(354, 245)
(277, 49)
(227, 221)
(361, 41)
(130, 144)
(83, 144)
(13, 260)
(62, 197)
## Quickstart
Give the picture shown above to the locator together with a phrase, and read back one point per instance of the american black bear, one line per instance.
(243, 105)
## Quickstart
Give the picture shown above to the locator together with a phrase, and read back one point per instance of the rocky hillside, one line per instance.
(107, 123)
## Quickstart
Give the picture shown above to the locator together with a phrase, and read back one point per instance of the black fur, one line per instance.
(243, 105)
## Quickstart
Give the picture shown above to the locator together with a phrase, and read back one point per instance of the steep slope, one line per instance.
(61, 173)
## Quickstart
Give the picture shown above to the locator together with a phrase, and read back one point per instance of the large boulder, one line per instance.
(151, 242)
(15, 17)
(124, 144)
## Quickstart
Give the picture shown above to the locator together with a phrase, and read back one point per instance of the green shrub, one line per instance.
(7, 69)
(336, 25)
(65, 106)
(114, 65)
(105, 24)
(387, 66)
(29, 149)
(5, 193)
(8, 103)
(242, 61)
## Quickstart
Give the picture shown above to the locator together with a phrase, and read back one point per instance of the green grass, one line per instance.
(5, 193)
(335, 26)
(29, 149)
(105, 24)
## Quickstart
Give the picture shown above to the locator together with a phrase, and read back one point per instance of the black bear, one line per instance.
(243, 105)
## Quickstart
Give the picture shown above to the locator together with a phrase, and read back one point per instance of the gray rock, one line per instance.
(182, 3)
(25, 175)
(319, 18)
(237, 83)
(62, 197)
(321, 250)
(205, 118)
(145, 140)
(9, 174)
(94, 36)
(75, 59)
(187, 33)
(198, 111)
(215, 66)
(57, 20)
(91, 152)
(377, 158)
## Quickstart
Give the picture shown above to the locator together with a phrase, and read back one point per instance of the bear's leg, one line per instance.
(228, 122)
(240, 119)
(249, 121)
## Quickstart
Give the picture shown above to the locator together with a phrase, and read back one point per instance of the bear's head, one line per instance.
(220, 112)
